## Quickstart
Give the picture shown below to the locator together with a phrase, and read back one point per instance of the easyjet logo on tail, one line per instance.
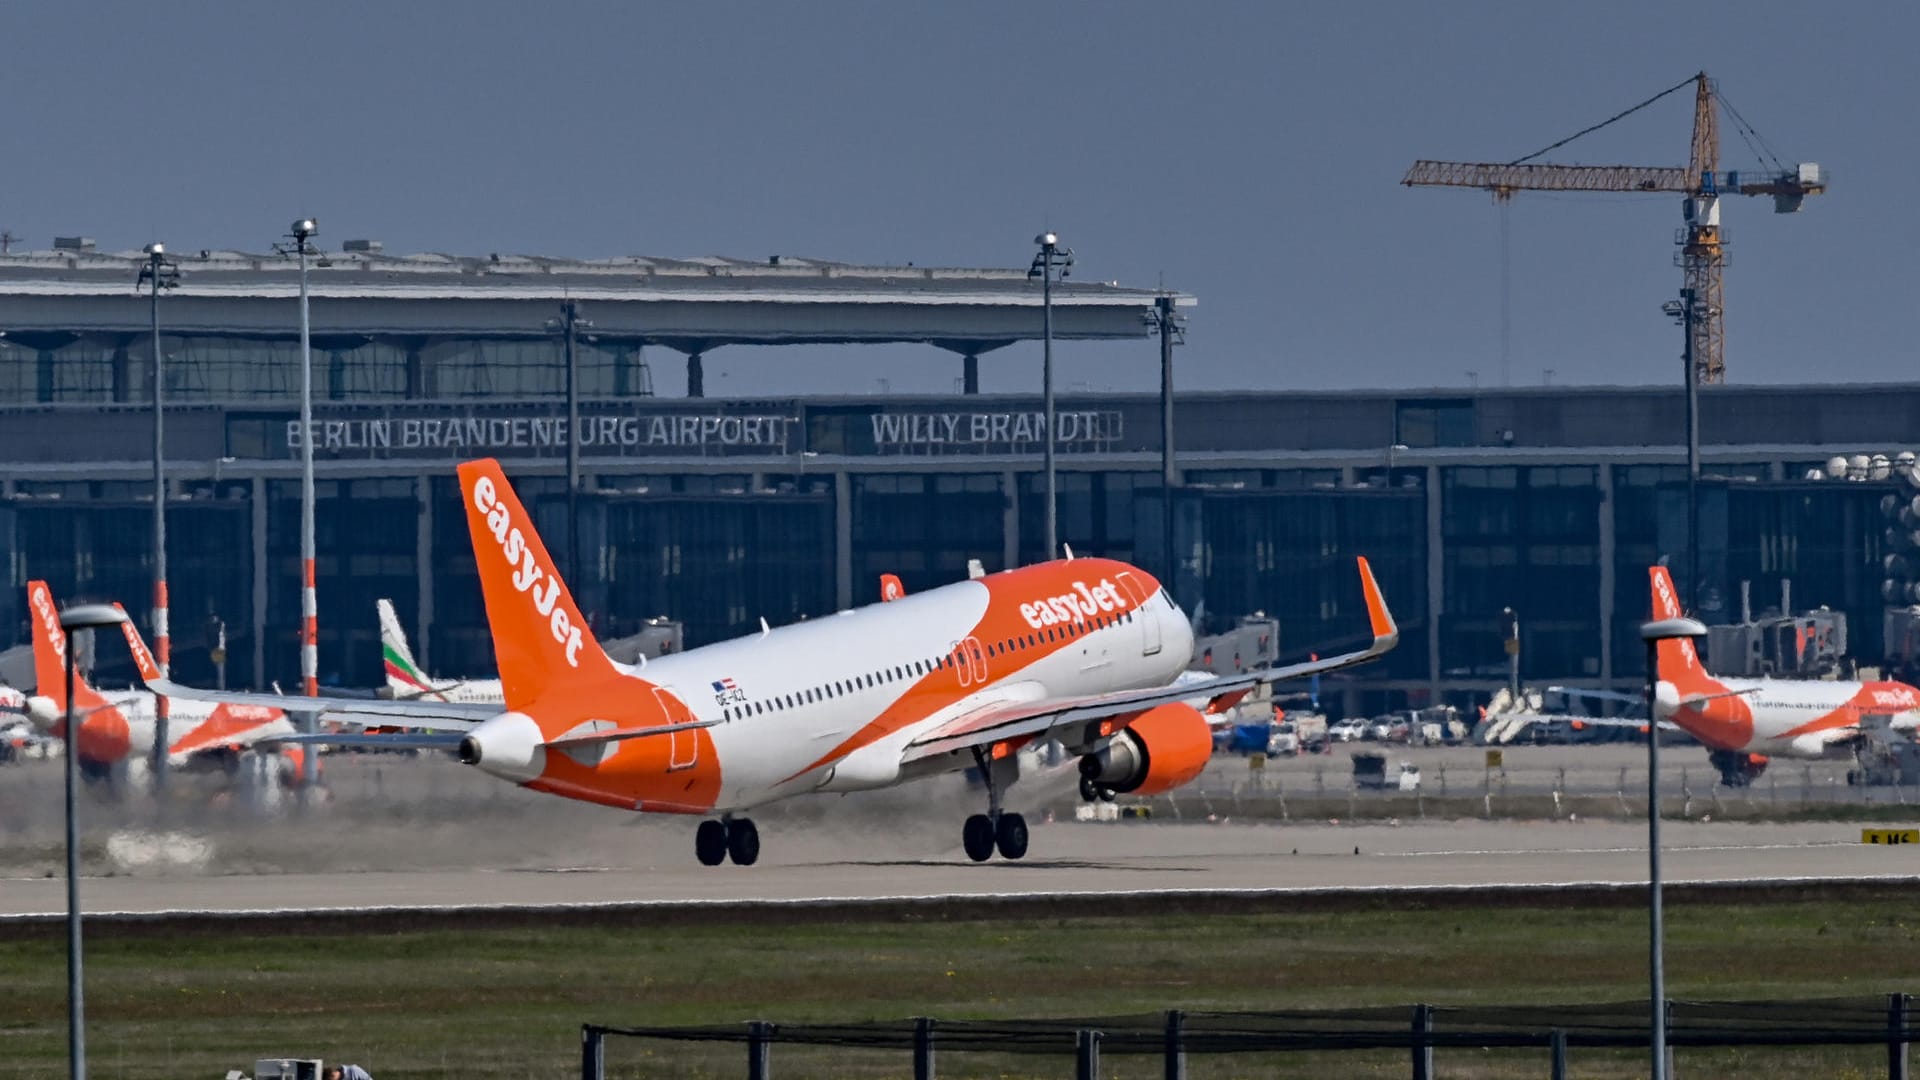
(529, 577)
(42, 601)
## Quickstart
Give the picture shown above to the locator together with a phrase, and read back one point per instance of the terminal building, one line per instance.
(1550, 501)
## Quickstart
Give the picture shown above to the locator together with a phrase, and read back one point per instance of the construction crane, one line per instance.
(1702, 254)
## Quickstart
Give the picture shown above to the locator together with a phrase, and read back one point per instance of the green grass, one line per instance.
(509, 1002)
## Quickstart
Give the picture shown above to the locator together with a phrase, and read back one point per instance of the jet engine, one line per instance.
(1165, 748)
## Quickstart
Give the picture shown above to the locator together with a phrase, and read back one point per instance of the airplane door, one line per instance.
(1149, 620)
(683, 749)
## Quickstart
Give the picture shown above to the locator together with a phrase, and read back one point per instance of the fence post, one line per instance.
(1422, 1042)
(1557, 1045)
(593, 1052)
(1897, 1036)
(1086, 1055)
(759, 1039)
(1176, 1052)
(923, 1048)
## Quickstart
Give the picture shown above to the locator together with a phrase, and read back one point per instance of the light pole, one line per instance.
(159, 273)
(1051, 260)
(1510, 621)
(79, 617)
(568, 324)
(1685, 311)
(302, 233)
(1171, 327)
(1654, 633)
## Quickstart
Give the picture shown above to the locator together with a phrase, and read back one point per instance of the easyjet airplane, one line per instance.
(118, 726)
(1085, 651)
(1743, 722)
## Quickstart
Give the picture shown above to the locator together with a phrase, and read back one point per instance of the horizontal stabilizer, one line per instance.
(395, 740)
(595, 738)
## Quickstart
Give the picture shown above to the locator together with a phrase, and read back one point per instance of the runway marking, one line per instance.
(1620, 850)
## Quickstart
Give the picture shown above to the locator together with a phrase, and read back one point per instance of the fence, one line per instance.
(1419, 1030)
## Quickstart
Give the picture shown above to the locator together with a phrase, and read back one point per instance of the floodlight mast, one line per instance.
(159, 272)
(1052, 259)
(302, 233)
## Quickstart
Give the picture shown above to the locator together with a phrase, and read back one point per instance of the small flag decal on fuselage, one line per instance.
(726, 692)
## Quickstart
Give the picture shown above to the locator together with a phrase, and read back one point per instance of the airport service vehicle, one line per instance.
(117, 727)
(1087, 652)
(1744, 722)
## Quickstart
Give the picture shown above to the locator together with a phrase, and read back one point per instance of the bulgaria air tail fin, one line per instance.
(404, 677)
(540, 638)
(1679, 663)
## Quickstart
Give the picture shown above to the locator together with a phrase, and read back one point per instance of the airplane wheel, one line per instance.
(1107, 794)
(743, 842)
(977, 837)
(1011, 836)
(710, 843)
(1088, 792)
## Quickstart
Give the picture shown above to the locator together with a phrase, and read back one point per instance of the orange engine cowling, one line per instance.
(1165, 748)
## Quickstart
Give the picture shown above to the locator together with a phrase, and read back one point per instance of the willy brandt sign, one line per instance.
(764, 429)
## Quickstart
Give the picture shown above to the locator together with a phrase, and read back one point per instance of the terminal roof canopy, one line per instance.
(687, 304)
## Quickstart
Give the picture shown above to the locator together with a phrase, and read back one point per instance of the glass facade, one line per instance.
(66, 368)
(720, 550)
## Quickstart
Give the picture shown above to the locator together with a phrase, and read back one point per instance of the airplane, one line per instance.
(1085, 651)
(405, 680)
(118, 726)
(1745, 722)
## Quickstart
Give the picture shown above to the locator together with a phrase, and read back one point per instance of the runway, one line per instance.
(1068, 858)
(429, 834)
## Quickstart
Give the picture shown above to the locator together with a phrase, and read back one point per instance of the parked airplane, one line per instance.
(405, 680)
(1084, 651)
(1744, 722)
(118, 726)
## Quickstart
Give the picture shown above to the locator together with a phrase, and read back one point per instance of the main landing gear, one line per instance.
(727, 838)
(1091, 792)
(996, 829)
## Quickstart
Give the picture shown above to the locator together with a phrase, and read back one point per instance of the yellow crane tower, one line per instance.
(1702, 254)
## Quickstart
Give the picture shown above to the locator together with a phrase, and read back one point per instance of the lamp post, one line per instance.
(1170, 325)
(1052, 259)
(1685, 311)
(1654, 634)
(568, 325)
(302, 233)
(158, 273)
(79, 617)
(1510, 626)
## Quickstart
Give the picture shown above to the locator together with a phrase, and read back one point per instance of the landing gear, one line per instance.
(735, 838)
(1010, 836)
(1090, 791)
(996, 829)
(710, 843)
(1737, 770)
(743, 842)
(977, 837)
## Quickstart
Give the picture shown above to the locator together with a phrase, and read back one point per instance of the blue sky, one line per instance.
(1248, 153)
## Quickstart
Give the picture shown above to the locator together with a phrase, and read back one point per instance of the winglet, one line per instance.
(137, 645)
(1386, 634)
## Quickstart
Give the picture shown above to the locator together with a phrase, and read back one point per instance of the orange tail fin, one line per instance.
(539, 636)
(137, 645)
(50, 652)
(1679, 663)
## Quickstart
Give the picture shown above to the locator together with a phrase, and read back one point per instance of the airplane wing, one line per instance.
(1029, 719)
(448, 715)
(384, 740)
